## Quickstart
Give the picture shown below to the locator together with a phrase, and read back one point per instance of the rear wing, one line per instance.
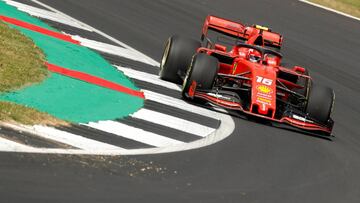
(241, 31)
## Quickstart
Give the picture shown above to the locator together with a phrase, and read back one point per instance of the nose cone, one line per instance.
(263, 94)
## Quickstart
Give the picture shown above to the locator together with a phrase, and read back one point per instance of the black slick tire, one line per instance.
(320, 103)
(176, 58)
(203, 70)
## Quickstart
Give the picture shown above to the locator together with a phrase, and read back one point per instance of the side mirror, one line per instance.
(220, 47)
(299, 69)
(271, 60)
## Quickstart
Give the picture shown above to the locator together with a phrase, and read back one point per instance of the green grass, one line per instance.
(351, 7)
(21, 64)
(14, 113)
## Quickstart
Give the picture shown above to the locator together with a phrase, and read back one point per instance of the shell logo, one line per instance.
(264, 89)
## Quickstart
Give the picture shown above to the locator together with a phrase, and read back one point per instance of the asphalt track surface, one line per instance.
(258, 163)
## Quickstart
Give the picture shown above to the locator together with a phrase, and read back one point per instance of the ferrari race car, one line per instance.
(238, 67)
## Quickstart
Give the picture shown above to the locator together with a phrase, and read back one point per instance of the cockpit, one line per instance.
(257, 54)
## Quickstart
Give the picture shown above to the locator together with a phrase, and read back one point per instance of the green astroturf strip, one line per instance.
(76, 57)
(67, 98)
(75, 100)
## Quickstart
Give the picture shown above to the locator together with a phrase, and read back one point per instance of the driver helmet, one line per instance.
(254, 56)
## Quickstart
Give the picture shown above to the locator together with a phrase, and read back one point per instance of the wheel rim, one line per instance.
(166, 54)
(187, 75)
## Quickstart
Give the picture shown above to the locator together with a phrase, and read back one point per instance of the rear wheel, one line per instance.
(177, 58)
(203, 70)
(320, 103)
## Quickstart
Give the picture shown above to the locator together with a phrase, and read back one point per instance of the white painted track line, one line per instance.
(136, 52)
(8, 145)
(150, 78)
(71, 139)
(173, 122)
(180, 104)
(41, 13)
(133, 133)
(110, 49)
(330, 9)
(56, 16)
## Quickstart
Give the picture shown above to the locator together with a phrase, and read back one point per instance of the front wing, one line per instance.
(293, 118)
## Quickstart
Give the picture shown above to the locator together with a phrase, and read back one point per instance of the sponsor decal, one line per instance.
(261, 27)
(299, 118)
(219, 96)
(263, 100)
(264, 89)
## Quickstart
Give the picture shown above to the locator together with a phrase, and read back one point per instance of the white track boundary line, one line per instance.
(56, 16)
(148, 59)
(330, 9)
(8, 145)
(41, 13)
(110, 49)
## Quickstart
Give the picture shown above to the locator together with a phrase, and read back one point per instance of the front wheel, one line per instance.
(203, 70)
(320, 103)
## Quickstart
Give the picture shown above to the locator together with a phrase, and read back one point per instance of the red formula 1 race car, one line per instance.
(238, 67)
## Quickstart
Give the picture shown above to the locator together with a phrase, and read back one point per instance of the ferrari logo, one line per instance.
(234, 69)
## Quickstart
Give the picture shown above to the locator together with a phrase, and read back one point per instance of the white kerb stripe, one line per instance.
(134, 133)
(150, 78)
(144, 57)
(173, 122)
(72, 139)
(41, 13)
(180, 104)
(8, 145)
(110, 49)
